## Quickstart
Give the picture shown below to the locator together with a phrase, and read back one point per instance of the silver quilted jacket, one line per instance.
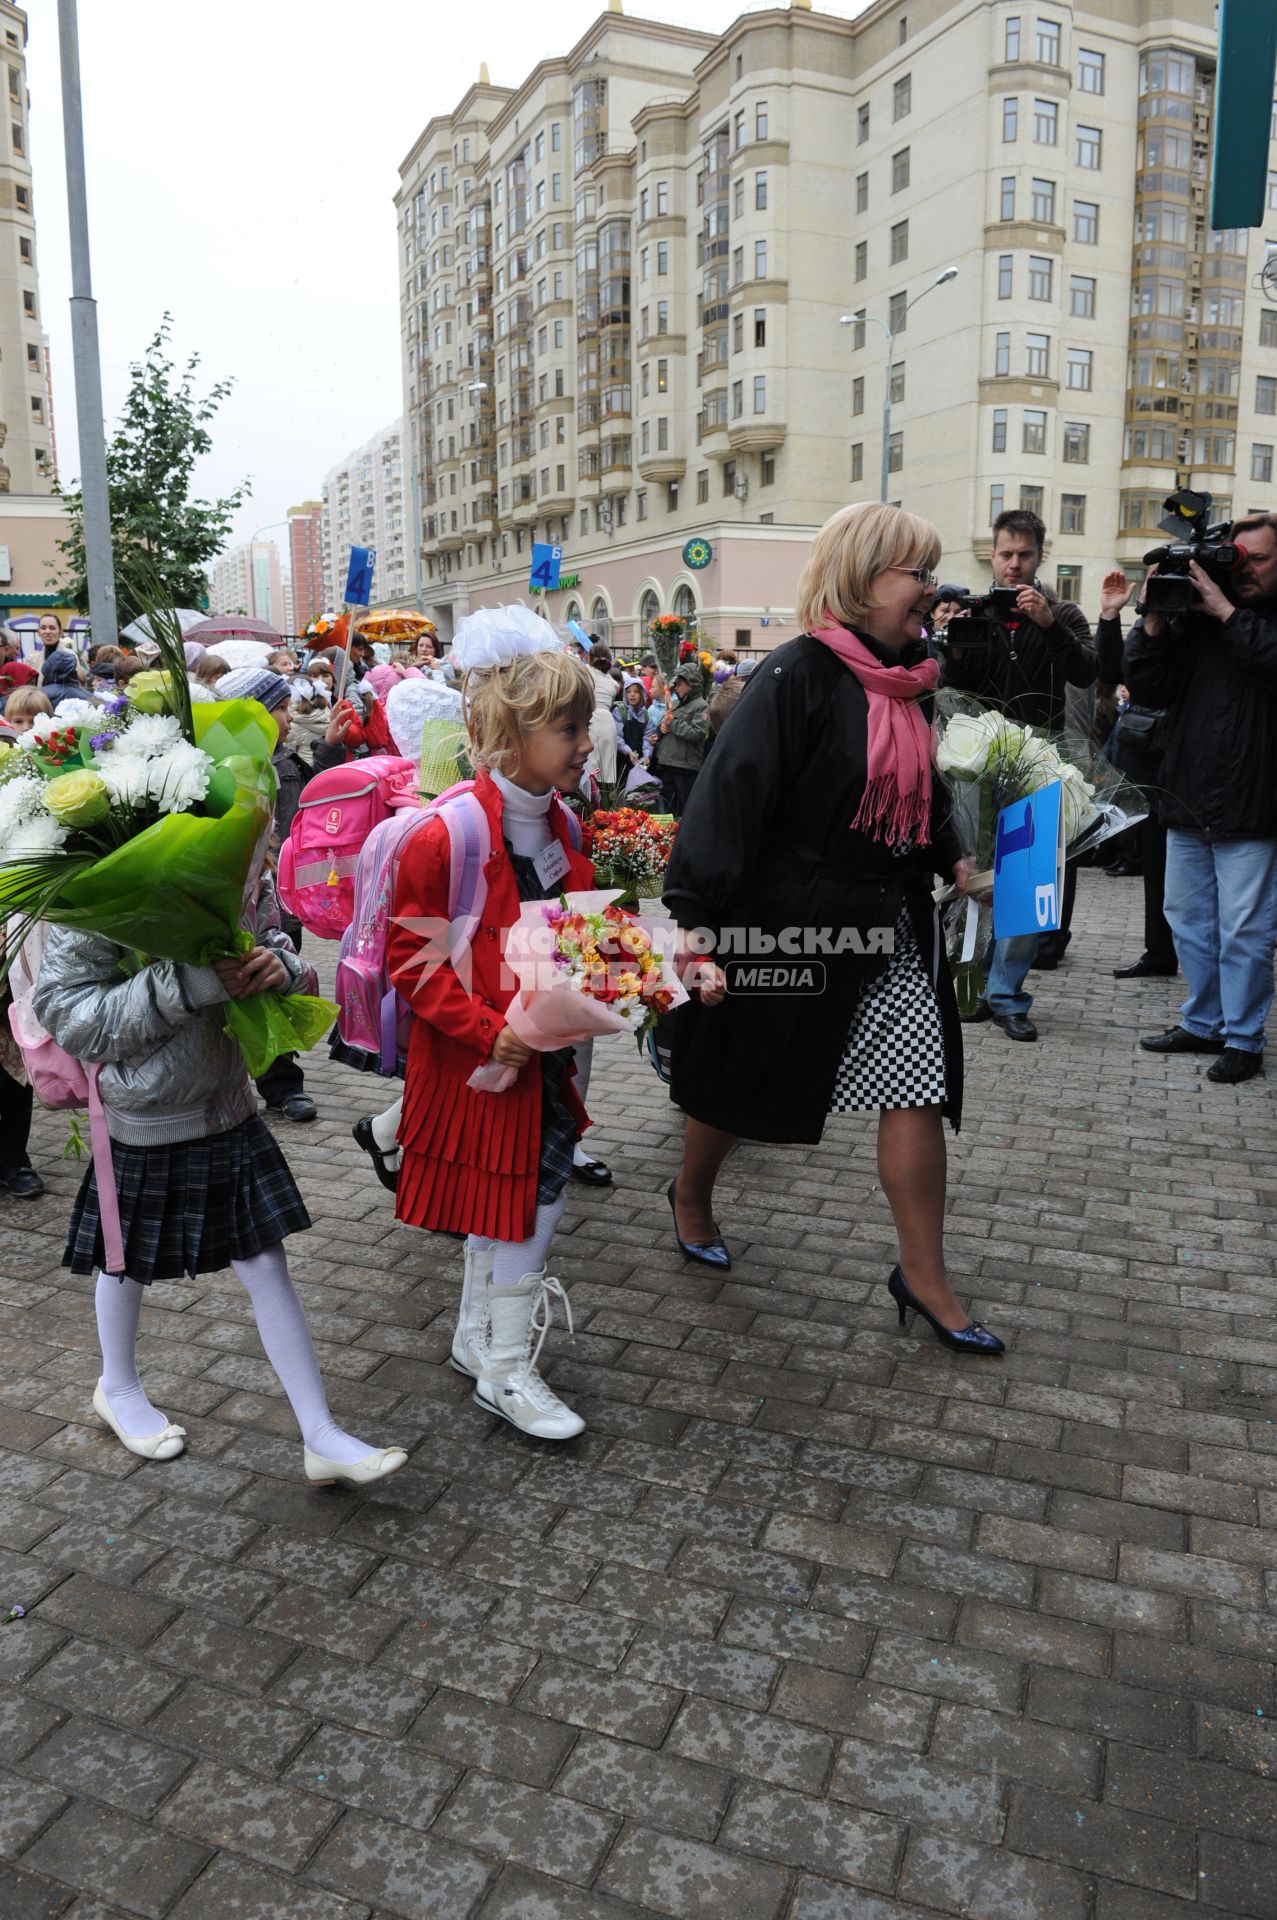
(170, 1071)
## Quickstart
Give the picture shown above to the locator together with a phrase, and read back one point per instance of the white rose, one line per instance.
(965, 743)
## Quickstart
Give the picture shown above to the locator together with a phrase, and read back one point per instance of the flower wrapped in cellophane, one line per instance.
(584, 966)
(146, 821)
(631, 850)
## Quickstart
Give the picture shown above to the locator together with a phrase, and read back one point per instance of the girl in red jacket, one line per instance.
(494, 1166)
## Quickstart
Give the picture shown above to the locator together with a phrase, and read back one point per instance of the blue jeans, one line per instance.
(1005, 965)
(1221, 901)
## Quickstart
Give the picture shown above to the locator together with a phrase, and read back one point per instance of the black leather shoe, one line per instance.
(24, 1183)
(1047, 962)
(1124, 870)
(388, 1176)
(1179, 1040)
(1235, 1064)
(1145, 968)
(592, 1173)
(296, 1106)
(1016, 1026)
(983, 1011)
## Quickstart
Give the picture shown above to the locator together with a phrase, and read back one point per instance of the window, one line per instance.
(895, 452)
(738, 333)
(858, 460)
(760, 259)
(902, 97)
(1037, 356)
(1078, 368)
(897, 382)
(1086, 222)
(1010, 117)
(999, 430)
(1265, 393)
(1087, 152)
(671, 496)
(662, 198)
(1002, 355)
(858, 328)
(738, 399)
(1042, 202)
(767, 470)
(556, 136)
(1090, 71)
(702, 486)
(738, 199)
(760, 326)
(662, 320)
(1261, 462)
(760, 393)
(862, 124)
(662, 258)
(997, 501)
(1006, 275)
(1077, 443)
(1041, 271)
(1011, 48)
(1046, 43)
(862, 192)
(1072, 513)
(1031, 500)
(663, 434)
(28, 304)
(641, 505)
(662, 376)
(645, 262)
(858, 394)
(1082, 296)
(899, 242)
(1006, 199)
(1034, 430)
(900, 170)
(738, 265)
(760, 120)
(738, 129)
(1268, 326)
(1046, 122)
(897, 310)
(760, 190)
(862, 259)
(729, 478)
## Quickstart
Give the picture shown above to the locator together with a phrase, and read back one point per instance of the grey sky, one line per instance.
(242, 161)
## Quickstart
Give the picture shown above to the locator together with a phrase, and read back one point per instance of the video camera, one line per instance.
(986, 613)
(1187, 514)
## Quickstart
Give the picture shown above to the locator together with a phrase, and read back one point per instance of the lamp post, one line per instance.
(851, 320)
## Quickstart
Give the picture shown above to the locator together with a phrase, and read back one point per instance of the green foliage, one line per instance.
(158, 532)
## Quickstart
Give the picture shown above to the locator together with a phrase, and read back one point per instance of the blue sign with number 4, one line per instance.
(546, 562)
(359, 576)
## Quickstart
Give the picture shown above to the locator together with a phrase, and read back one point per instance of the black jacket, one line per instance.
(766, 842)
(1217, 681)
(1024, 671)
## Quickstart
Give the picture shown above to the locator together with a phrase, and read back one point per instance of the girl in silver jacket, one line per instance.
(202, 1183)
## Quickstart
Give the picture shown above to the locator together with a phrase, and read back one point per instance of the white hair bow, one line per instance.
(495, 636)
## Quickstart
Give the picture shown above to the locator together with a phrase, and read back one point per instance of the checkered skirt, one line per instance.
(193, 1207)
(894, 1056)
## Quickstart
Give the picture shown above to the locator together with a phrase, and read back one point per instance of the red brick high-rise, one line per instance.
(306, 561)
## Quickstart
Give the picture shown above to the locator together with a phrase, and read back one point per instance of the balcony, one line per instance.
(664, 466)
(755, 435)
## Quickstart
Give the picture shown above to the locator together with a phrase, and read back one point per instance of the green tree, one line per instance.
(159, 533)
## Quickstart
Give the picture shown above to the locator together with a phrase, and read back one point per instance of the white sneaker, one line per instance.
(472, 1320)
(508, 1381)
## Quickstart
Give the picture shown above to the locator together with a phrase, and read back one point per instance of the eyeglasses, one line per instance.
(923, 575)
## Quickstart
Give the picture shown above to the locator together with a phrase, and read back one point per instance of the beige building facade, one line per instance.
(249, 580)
(622, 285)
(26, 408)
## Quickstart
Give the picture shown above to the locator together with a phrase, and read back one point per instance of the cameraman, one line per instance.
(1023, 661)
(1214, 670)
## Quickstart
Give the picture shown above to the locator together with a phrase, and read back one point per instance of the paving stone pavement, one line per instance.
(815, 1621)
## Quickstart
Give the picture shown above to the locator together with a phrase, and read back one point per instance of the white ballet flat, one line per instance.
(165, 1445)
(374, 1466)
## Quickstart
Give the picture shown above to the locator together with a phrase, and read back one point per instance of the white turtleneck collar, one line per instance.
(525, 817)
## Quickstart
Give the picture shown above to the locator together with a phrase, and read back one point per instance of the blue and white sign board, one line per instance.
(546, 563)
(359, 576)
(1028, 865)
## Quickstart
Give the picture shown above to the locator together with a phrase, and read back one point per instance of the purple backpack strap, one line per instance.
(470, 848)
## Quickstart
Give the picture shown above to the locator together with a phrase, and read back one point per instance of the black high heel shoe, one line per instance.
(713, 1254)
(972, 1338)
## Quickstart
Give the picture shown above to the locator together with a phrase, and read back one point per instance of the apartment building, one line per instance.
(646, 300)
(249, 580)
(364, 506)
(307, 580)
(26, 408)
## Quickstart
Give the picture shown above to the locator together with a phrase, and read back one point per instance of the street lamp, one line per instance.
(851, 320)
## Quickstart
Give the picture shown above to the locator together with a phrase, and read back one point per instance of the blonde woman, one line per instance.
(817, 820)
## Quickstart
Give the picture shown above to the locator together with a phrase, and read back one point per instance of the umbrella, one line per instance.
(227, 626)
(240, 653)
(186, 617)
(396, 623)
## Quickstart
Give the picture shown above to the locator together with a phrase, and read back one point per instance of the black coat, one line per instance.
(1024, 673)
(1217, 681)
(766, 842)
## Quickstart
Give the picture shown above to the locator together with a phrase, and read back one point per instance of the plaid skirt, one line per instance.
(193, 1207)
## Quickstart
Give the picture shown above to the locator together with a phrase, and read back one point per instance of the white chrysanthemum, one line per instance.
(35, 833)
(176, 780)
(124, 775)
(149, 733)
(20, 801)
(77, 713)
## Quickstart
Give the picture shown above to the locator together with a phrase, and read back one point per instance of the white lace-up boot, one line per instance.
(508, 1382)
(472, 1320)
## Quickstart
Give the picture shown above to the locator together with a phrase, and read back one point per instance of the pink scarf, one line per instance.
(897, 799)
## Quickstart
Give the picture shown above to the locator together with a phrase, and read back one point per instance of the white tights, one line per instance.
(584, 1053)
(516, 1258)
(385, 1131)
(281, 1326)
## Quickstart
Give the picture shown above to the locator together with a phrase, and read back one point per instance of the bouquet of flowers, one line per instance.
(147, 821)
(584, 966)
(631, 850)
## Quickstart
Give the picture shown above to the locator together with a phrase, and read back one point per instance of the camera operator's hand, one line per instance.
(1212, 598)
(1154, 626)
(1034, 606)
(1115, 593)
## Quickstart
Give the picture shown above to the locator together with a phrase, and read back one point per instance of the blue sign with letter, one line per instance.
(359, 576)
(1028, 864)
(546, 561)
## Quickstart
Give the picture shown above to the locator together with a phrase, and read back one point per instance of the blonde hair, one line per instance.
(25, 702)
(852, 548)
(503, 705)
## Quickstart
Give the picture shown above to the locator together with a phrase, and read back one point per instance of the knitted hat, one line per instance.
(59, 667)
(255, 683)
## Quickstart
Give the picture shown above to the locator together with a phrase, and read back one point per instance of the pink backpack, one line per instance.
(63, 1083)
(338, 810)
